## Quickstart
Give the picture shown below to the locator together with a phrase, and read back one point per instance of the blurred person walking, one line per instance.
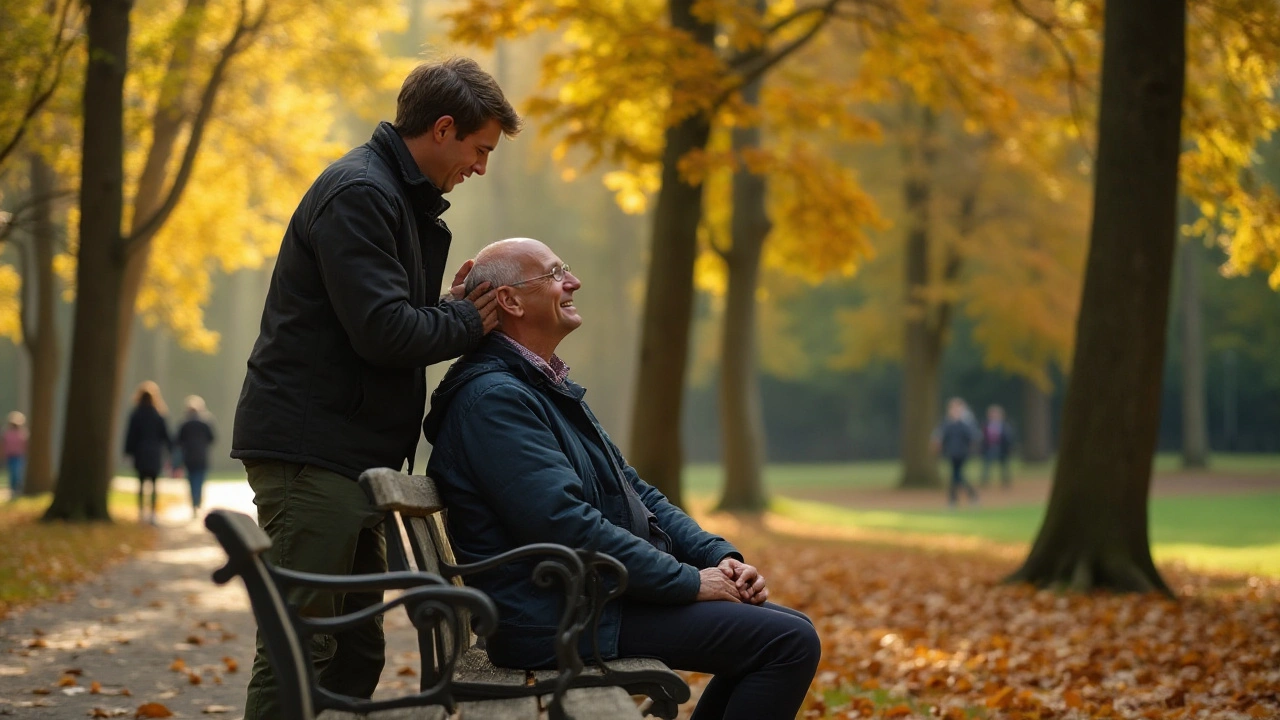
(997, 442)
(194, 437)
(955, 440)
(147, 440)
(15, 451)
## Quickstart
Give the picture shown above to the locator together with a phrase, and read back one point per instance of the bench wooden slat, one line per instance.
(389, 489)
(474, 666)
(605, 702)
(413, 713)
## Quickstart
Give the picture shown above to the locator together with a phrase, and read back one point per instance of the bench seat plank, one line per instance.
(433, 712)
(604, 702)
(474, 666)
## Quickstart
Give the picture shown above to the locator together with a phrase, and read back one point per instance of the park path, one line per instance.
(155, 626)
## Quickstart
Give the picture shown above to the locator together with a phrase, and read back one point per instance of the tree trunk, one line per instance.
(656, 452)
(42, 343)
(93, 395)
(1037, 431)
(1195, 424)
(741, 418)
(922, 353)
(1095, 529)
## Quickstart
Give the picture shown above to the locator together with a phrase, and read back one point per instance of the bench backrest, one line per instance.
(244, 543)
(415, 499)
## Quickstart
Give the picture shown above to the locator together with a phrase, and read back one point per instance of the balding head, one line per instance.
(503, 263)
(534, 307)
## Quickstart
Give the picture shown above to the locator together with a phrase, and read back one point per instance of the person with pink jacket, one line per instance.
(15, 451)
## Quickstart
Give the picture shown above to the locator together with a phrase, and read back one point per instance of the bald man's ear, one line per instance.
(509, 301)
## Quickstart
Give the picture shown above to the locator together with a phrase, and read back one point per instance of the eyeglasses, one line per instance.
(557, 273)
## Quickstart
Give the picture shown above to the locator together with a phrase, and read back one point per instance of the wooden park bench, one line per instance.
(458, 683)
(589, 580)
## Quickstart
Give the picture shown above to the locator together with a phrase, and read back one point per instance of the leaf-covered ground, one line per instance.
(41, 561)
(918, 632)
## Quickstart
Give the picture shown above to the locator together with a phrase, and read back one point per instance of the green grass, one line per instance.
(708, 477)
(1223, 532)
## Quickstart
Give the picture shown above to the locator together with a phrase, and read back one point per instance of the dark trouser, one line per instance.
(195, 477)
(958, 482)
(989, 459)
(142, 495)
(320, 521)
(763, 657)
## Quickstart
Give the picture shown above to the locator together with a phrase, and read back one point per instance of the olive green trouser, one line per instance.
(320, 521)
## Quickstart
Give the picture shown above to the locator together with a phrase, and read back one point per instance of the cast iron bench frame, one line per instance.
(415, 500)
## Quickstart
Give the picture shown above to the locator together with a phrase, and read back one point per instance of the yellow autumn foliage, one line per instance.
(276, 122)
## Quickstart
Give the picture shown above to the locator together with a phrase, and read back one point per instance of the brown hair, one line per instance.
(456, 87)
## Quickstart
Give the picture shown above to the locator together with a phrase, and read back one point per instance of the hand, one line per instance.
(716, 586)
(457, 288)
(486, 301)
(747, 580)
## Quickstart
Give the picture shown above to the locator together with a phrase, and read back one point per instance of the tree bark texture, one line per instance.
(41, 343)
(1195, 423)
(93, 395)
(922, 347)
(1095, 529)
(656, 451)
(1036, 437)
(741, 416)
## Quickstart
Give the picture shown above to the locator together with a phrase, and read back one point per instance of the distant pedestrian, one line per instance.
(15, 451)
(147, 441)
(955, 440)
(195, 435)
(997, 441)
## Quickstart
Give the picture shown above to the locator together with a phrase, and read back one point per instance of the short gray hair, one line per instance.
(497, 271)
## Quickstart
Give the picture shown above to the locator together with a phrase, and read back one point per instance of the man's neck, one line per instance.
(542, 349)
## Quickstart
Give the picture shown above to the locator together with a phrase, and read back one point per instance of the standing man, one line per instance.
(335, 382)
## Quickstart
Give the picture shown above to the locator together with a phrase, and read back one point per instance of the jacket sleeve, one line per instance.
(505, 443)
(354, 241)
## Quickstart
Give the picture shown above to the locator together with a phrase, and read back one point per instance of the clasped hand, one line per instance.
(734, 581)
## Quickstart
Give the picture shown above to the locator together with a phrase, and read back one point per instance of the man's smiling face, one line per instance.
(453, 160)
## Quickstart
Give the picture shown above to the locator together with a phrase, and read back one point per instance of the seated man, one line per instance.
(520, 458)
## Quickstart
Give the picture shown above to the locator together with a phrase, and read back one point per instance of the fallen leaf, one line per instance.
(406, 670)
(217, 709)
(152, 710)
(178, 665)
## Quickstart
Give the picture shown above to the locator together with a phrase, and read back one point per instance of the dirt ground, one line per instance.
(1031, 491)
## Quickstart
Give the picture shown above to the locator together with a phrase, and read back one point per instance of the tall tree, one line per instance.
(83, 490)
(1095, 529)
(1195, 423)
(40, 331)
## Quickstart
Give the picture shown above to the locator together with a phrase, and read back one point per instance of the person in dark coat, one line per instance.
(336, 380)
(519, 458)
(147, 441)
(195, 435)
(997, 443)
(955, 440)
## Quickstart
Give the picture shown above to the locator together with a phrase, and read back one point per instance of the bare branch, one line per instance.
(40, 95)
(1073, 74)
(753, 64)
(244, 30)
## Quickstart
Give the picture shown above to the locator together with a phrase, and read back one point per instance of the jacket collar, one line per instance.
(388, 144)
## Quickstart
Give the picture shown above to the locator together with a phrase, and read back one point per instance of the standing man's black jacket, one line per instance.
(352, 318)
